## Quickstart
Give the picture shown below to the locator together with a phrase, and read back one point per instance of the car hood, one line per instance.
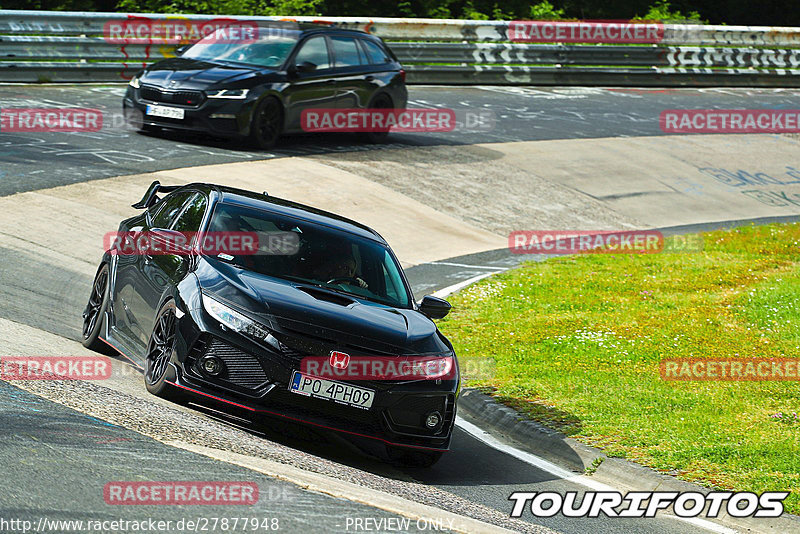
(295, 309)
(195, 74)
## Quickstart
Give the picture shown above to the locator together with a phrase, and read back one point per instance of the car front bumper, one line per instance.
(257, 379)
(217, 116)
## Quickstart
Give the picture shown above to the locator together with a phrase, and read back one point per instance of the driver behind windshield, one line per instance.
(339, 268)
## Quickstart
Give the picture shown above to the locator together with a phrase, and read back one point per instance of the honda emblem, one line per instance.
(339, 360)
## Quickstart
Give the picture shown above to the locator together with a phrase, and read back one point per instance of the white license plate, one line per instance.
(311, 386)
(164, 111)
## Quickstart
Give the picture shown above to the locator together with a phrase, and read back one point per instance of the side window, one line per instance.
(315, 51)
(392, 291)
(172, 205)
(345, 52)
(192, 216)
(376, 54)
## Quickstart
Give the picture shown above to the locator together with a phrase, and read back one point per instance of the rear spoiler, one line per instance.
(150, 198)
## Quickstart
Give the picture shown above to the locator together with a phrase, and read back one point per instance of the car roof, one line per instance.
(243, 197)
(308, 27)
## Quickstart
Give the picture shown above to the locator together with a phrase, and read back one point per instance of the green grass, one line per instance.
(575, 343)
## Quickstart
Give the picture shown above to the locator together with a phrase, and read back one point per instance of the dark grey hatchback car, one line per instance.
(258, 88)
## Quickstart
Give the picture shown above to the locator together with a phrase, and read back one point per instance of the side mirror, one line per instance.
(181, 49)
(434, 307)
(306, 66)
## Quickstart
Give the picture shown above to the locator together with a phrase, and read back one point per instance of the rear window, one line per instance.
(169, 208)
(346, 52)
(375, 52)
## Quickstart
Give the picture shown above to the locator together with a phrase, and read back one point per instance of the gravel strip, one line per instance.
(167, 424)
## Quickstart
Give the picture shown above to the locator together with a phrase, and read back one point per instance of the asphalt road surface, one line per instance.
(66, 453)
(56, 462)
(37, 160)
(481, 476)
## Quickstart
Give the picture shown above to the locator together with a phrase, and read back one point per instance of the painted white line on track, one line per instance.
(350, 491)
(465, 265)
(530, 458)
(567, 475)
(442, 293)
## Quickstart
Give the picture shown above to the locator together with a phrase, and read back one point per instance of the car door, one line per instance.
(378, 71)
(309, 89)
(164, 270)
(354, 82)
(131, 309)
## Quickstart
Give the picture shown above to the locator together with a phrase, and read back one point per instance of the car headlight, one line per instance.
(229, 93)
(235, 320)
(435, 368)
(134, 82)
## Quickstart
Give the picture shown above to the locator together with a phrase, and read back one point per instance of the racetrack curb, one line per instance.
(341, 489)
(530, 436)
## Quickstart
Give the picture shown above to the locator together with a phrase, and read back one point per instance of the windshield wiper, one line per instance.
(323, 286)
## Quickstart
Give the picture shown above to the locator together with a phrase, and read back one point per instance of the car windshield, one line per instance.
(269, 49)
(301, 251)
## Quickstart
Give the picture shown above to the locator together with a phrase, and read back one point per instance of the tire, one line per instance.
(94, 313)
(382, 101)
(267, 123)
(413, 458)
(159, 353)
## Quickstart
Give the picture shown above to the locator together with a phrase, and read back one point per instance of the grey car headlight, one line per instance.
(134, 82)
(229, 93)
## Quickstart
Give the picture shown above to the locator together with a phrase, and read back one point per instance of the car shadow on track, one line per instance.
(494, 468)
(303, 144)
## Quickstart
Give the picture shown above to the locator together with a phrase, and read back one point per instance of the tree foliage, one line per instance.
(744, 12)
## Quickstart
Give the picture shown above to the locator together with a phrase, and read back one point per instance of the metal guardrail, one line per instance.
(38, 46)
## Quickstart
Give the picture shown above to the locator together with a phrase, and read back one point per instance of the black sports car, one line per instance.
(271, 330)
(258, 88)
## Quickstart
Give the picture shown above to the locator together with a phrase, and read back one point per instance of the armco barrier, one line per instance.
(41, 46)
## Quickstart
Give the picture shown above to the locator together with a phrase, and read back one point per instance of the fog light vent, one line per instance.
(211, 365)
(433, 419)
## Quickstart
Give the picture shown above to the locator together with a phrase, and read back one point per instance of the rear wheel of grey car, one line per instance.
(266, 125)
(159, 353)
(94, 313)
(413, 458)
(382, 101)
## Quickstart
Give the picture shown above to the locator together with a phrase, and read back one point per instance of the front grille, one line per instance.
(241, 369)
(180, 98)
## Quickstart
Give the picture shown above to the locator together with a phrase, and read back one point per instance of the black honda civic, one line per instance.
(265, 305)
(256, 88)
